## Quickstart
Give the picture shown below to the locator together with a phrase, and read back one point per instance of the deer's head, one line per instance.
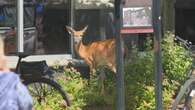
(76, 34)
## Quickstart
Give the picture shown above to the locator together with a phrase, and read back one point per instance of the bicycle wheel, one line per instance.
(190, 99)
(47, 94)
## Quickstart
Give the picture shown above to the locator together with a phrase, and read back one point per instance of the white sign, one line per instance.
(92, 4)
(137, 17)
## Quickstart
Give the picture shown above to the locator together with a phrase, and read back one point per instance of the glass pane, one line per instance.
(43, 28)
(30, 35)
(29, 16)
(8, 15)
(8, 19)
(102, 28)
(10, 41)
(50, 25)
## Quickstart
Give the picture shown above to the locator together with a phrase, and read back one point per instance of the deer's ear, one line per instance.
(69, 29)
(85, 28)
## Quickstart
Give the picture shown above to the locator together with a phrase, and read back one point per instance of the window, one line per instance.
(52, 38)
(8, 16)
(137, 17)
(99, 21)
(43, 28)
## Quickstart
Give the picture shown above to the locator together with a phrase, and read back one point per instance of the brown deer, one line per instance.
(95, 54)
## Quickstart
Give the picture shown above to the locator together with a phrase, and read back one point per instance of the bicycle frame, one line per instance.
(182, 91)
(41, 81)
(20, 55)
(17, 65)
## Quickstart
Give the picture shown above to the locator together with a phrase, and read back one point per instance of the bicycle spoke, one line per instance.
(43, 89)
(36, 88)
(32, 91)
(47, 92)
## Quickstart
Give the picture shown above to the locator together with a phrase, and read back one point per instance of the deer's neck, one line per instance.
(80, 48)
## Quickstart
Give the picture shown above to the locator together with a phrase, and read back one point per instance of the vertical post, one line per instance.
(102, 29)
(119, 58)
(72, 9)
(20, 25)
(157, 51)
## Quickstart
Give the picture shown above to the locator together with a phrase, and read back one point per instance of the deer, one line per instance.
(95, 54)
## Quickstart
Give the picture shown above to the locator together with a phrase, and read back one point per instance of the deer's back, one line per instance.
(106, 46)
(103, 52)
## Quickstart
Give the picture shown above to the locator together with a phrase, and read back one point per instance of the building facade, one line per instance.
(45, 36)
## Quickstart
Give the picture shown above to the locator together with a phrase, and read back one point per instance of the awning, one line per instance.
(138, 3)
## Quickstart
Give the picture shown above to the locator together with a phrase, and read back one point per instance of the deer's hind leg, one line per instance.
(102, 78)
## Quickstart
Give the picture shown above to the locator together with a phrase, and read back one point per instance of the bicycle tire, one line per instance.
(49, 83)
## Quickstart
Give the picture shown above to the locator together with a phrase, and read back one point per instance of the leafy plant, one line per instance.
(139, 80)
(140, 85)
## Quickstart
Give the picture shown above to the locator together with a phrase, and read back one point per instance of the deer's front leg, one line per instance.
(91, 68)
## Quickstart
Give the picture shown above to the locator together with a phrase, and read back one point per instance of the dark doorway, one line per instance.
(185, 20)
(56, 40)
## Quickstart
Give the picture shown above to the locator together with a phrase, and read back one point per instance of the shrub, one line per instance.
(139, 80)
(140, 85)
(83, 95)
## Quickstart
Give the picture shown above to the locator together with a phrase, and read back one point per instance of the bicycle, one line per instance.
(39, 79)
(186, 94)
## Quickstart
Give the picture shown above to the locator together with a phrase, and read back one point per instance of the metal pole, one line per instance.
(72, 8)
(20, 25)
(157, 51)
(119, 58)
